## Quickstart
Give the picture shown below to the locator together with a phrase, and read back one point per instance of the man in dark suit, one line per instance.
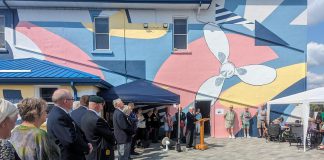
(97, 131)
(190, 127)
(123, 130)
(63, 130)
(78, 113)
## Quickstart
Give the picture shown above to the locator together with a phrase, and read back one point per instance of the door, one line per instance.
(204, 107)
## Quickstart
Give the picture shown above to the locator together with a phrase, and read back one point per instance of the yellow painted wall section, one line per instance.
(87, 90)
(26, 90)
(66, 87)
(133, 30)
(257, 95)
(29, 90)
(82, 90)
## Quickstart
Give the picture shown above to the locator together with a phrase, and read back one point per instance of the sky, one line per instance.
(315, 46)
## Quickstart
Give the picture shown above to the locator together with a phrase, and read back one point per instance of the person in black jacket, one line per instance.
(190, 127)
(79, 112)
(155, 124)
(64, 131)
(123, 130)
(97, 131)
(132, 117)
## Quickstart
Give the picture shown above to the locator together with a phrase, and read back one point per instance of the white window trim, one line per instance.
(179, 17)
(38, 87)
(94, 34)
(4, 33)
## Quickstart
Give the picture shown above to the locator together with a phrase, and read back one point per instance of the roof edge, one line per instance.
(136, 4)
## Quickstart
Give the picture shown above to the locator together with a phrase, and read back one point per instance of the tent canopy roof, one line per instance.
(141, 92)
(314, 95)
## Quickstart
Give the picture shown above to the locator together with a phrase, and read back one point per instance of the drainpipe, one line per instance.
(199, 8)
(75, 91)
(209, 4)
(13, 21)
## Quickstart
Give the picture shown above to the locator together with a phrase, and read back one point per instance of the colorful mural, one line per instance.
(240, 53)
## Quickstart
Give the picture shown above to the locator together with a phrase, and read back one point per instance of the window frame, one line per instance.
(173, 34)
(38, 90)
(95, 34)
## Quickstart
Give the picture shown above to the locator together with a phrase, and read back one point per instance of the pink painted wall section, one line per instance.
(185, 70)
(54, 45)
(219, 130)
(244, 52)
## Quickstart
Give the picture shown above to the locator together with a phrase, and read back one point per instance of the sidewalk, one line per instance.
(234, 149)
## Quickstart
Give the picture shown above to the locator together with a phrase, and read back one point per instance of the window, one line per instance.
(46, 93)
(180, 33)
(2, 33)
(14, 96)
(101, 33)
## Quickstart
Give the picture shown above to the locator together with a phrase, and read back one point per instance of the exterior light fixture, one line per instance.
(145, 25)
(165, 25)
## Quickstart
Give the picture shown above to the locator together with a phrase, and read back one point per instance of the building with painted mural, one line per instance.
(213, 53)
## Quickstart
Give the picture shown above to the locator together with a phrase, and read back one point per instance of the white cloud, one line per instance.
(315, 80)
(315, 53)
(315, 11)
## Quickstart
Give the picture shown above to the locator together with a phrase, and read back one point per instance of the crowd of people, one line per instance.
(316, 127)
(82, 133)
(70, 130)
(78, 134)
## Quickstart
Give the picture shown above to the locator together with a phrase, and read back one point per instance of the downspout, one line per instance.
(200, 7)
(209, 4)
(6, 4)
(75, 91)
(13, 21)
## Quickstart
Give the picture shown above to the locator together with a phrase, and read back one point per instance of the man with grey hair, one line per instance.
(190, 127)
(123, 130)
(118, 102)
(63, 130)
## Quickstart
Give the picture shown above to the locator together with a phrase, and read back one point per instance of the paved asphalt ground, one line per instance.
(234, 149)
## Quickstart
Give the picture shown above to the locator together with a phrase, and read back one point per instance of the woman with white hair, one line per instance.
(8, 117)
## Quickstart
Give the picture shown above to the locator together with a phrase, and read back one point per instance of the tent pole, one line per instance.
(305, 122)
(268, 112)
(178, 146)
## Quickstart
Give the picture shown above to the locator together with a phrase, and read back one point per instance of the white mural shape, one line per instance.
(250, 74)
(24, 47)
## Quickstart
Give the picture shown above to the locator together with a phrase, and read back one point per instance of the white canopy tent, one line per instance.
(306, 98)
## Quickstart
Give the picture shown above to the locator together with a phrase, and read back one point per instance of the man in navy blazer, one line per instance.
(63, 130)
(98, 131)
(78, 113)
(123, 130)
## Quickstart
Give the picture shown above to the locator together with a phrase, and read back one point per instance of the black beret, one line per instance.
(96, 99)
